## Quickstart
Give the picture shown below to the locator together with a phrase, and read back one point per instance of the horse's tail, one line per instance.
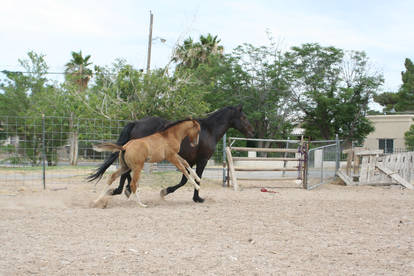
(108, 162)
(123, 139)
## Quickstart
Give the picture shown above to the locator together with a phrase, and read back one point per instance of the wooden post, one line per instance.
(150, 43)
(73, 137)
(231, 169)
(363, 173)
(356, 166)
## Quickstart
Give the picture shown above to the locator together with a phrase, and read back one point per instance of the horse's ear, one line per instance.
(239, 108)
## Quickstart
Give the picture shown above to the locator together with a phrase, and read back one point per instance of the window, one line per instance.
(387, 145)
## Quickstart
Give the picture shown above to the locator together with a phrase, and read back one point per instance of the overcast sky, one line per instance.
(113, 29)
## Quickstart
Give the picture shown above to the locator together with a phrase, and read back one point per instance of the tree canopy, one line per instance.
(324, 90)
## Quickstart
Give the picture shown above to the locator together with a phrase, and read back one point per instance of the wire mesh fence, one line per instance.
(324, 159)
(50, 150)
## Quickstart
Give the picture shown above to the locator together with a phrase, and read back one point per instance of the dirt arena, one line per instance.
(333, 230)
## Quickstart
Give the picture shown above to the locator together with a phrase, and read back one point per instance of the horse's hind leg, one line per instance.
(136, 172)
(118, 190)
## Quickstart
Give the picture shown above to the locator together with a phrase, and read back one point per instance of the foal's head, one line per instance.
(194, 132)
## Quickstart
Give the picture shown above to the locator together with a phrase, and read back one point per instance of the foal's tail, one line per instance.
(113, 148)
(108, 147)
(123, 139)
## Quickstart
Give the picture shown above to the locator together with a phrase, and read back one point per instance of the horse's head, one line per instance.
(240, 122)
(194, 133)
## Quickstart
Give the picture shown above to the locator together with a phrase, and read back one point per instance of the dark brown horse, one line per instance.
(212, 130)
(163, 145)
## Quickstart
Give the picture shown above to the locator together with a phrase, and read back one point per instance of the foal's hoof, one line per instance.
(102, 203)
(198, 199)
(142, 205)
(127, 193)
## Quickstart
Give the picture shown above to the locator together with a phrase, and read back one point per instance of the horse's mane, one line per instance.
(216, 113)
(169, 125)
(211, 115)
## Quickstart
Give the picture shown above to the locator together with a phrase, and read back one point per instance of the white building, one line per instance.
(389, 132)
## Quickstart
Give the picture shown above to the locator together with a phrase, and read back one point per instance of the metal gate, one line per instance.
(323, 162)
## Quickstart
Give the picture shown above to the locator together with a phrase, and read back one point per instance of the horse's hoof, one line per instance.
(110, 192)
(143, 205)
(127, 193)
(102, 203)
(198, 199)
(163, 193)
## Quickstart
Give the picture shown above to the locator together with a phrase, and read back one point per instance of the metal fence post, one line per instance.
(224, 160)
(322, 159)
(285, 155)
(338, 154)
(43, 152)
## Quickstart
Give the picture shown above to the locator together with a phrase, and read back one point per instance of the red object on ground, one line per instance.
(264, 190)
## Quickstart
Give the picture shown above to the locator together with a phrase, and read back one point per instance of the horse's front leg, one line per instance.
(175, 160)
(199, 170)
(172, 189)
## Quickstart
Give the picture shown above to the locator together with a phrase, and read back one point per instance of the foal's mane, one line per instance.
(167, 126)
(217, 111)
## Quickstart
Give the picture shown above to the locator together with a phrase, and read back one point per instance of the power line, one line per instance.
(28, 72)
(59, 73)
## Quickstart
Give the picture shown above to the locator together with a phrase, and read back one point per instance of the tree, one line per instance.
(403, 100)
(19, 88)
(123, 92)
(388, 100)
(255, 77)
(26, 96)
(191, 54)
(77, 71)
(333, 88)
(77, 75)
(409, 138)
(406, 91)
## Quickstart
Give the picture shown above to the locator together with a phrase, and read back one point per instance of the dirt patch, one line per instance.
(331, 230)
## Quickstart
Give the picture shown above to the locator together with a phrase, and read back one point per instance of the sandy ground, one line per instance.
(332, 230)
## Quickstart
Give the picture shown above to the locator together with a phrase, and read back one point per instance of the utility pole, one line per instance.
(149, 43)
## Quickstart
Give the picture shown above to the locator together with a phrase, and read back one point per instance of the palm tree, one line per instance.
(77, 70)
(77, 73)
(191, 54)
(210, 46)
